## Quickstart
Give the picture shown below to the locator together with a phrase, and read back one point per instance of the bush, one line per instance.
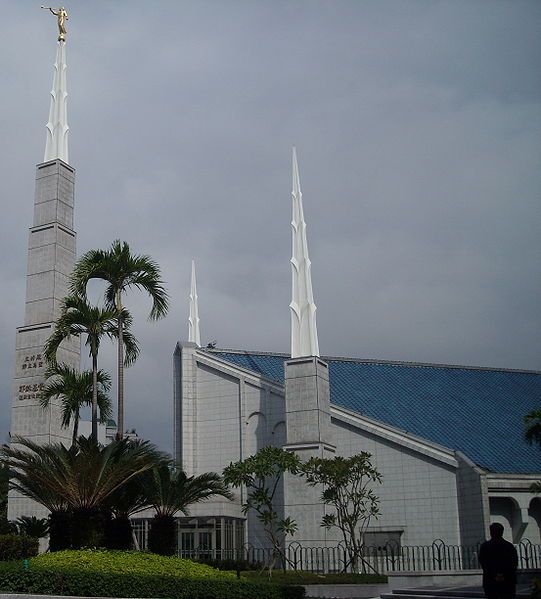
(124, 562)
(13, 579)
(240, 565)
(14, 547)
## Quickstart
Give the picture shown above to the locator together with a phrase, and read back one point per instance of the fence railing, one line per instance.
(388, 558)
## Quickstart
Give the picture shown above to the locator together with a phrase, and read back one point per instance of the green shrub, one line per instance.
(231, 564)
(17, 547)
(13, 579)
(124, 562)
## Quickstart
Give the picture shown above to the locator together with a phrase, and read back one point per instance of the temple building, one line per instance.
(448, 440)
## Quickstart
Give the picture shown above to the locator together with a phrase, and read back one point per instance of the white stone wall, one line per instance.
(418, 494)
(51, 256)
(472, 501)
(222, 414)
(229, 414)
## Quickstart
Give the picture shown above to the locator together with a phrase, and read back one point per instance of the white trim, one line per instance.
(395, 435)
(510, 482)
(238, 372)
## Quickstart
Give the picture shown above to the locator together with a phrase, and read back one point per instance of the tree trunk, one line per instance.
(162, 535)
(89, 528)
(75, 428)
(59, 530)
(119, 534)
(94, 395)
(120, 419)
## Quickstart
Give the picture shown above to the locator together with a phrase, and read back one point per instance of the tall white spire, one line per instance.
(194, 334)
(57, 126)
(303, 310)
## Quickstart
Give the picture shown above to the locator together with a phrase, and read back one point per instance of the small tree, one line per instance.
(348, 489)
(261, 474)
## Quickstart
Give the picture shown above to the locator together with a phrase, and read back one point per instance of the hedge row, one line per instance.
(13, 579)
(124, 562)
(17, 547)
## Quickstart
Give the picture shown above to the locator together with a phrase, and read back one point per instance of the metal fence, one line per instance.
(383, 559)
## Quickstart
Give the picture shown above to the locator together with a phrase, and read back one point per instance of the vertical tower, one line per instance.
(307, 396)
(51, 257)
(194, 334)
(304, 340)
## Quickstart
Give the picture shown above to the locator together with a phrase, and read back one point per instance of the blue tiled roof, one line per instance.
(474, 410)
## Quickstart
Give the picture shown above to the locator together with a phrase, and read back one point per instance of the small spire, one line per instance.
(194, 335)
(304, 340)
(57, 126)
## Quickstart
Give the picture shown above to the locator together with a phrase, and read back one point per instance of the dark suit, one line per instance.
(499, 561)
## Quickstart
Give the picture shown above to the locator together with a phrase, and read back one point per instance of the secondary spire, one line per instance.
(304, 340)
(194, 335)
(56, 146)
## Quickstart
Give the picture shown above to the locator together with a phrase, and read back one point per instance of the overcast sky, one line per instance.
(418, 131)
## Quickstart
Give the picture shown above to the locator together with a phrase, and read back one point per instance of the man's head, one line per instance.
(496, 530)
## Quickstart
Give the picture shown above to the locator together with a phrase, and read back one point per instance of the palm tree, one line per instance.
(28, 479)
(75, 389)
(122, 271)
(31, 526)
(78, 317)
(532, 434)
(532, 420)
(78, 481)
(170, 491)
(130, 499)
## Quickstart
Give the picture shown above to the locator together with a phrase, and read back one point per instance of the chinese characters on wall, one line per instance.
(29, 366)
(33, 361)
(32, 391)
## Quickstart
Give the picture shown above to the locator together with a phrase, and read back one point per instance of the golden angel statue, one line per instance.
(62, 16)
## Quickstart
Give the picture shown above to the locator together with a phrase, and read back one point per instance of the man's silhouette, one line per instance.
(499, 561)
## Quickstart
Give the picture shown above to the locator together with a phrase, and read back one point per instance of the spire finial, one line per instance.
(56, 146)
(62, 15)
(304, 340)
(194, 335)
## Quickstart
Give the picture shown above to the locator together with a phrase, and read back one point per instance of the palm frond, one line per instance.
(532, 422)
(82, 477)
(171, 491)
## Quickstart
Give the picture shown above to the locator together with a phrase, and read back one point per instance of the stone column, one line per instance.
(185, 406)
(51, 257)
(309, 434)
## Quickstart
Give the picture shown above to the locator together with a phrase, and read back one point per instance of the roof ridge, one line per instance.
(409, 364)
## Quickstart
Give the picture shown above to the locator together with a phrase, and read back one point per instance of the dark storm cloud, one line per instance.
(418, 131)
